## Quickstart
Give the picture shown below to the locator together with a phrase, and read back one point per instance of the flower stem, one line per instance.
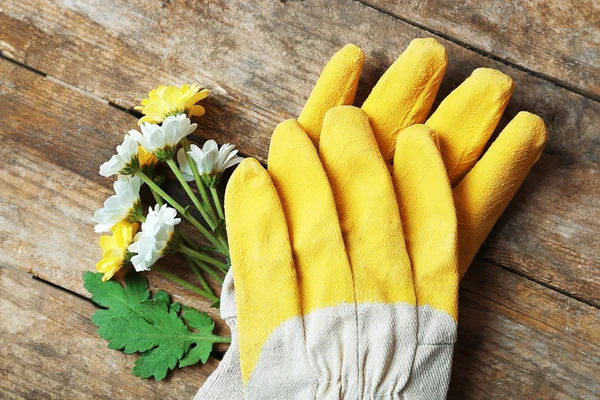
(199, 276)
(157, 198)
(208, 270)
(209, 235)
(199, 184)
(185, 284)
(215, 196)
(191, 194)
(203, 257)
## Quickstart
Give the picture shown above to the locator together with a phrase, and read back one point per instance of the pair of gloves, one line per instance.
(347, 253)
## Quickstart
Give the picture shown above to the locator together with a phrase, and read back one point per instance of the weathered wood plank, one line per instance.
(51, 185)
(557, 39)
(261, 58)
(50, 350)
(520, 340)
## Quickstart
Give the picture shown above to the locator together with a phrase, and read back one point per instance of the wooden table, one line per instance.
(71, 70)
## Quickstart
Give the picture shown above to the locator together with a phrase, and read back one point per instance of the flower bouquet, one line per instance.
(166, 334)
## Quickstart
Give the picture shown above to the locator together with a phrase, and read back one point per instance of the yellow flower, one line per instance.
(171, 100)
(114, 248)
(147, 159)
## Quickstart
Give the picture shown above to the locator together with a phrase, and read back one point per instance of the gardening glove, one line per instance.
(404, 96)
(328, 305)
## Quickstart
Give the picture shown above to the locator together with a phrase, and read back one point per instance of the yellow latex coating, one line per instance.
(404, 94)
(487, 189)
(466, 119)
(261, 256)
(322, 267)
(367, 208)
(335, 87)
(428, 218)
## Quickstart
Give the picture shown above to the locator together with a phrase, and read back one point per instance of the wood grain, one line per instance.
(520, 340)
(50, 350)
(260, 60)
(556, 39)
(51, 185)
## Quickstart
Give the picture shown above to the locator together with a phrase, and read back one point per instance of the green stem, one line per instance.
(203, 257)
(221, 339)
(199, 276)
(208, 270)
(221, 233)
(190, 193)
(215, 196)
(190, 243)
(185, 284)
(199, 184)
(209, 235)
(157, 198)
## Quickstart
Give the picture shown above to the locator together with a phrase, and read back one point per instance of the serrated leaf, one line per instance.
(199, 352)
(134, 323)
(200, 321)
(120, 301)
(158, 362)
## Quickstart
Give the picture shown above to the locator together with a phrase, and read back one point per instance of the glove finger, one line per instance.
(317, 244)
(486, 190)
(335, 87)
(428, 218)
(404, 94)
(266, 290)
(466, 119)
(367, 208)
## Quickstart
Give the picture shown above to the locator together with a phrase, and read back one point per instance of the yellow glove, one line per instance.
(464, 122)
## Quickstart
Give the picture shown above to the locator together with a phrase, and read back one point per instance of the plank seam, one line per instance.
(526, 316)
(561, 84)
(20, 64)
(541, 283)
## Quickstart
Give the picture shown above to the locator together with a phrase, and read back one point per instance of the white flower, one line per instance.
(152, 241)
(120, 206)
(210, 160)
(125, 162)
(161, 140)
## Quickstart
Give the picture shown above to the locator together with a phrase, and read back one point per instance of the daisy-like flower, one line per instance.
(210, 161)
(114, 249)
(162, 140)
(125, 205)
(165, 101)
(152, 241)
(125, 162)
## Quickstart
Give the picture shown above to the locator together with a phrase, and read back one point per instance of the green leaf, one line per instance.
(163, 296)
(176, 307)
(134, 323)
